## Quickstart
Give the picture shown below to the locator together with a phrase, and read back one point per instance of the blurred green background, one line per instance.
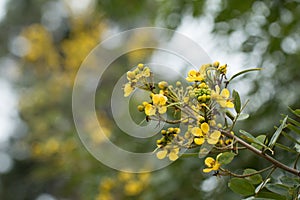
(43, 43)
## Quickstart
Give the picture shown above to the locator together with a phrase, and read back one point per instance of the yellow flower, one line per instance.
(159, 104)
(162, 154)
(196, 131)
(159, 99)
(200, 132)
(223, 69)
(149, 109)
(213, 138)
(146, 72)
(212, 164)
(222, 98)
(133, 187)
(127, 89)
(194, 76)
(172, 154)
(203, 70)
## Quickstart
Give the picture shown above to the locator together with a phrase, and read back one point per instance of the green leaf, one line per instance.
(289, 181)
(230, 115)
(236, 101)
(243, 72)
(293, 122)
(270, 195)
(278, 188)
(262, 139)
(295, 112)
(293, 128)
(290, 137)
(241, 186)
(255, 198)
(250, 138)
(247, 136)
(243, 116)
(254, 179)
(277, 133)
(225, 158)
(281, 146)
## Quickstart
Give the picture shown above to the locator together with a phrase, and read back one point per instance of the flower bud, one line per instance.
(140, 66)
(216, 64)
(178, 84)
(141, 108)
(162, 85)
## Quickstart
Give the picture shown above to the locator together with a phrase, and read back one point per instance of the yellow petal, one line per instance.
(196, 131)
(192, 73)
(150, 110)
(209, 161)
(216, 166)
(146, 72)
(162, 100)
(155, 99)
(161, 154)
(162, 109)
(130, 75)
(127, 89)
(175, 150)
(207, 170)
(212, 141)
(223, 103)
(214, 137)
(199, 141)
(225, 93)
(215, 134)
(229, 104)
(173, 156)
(205, 127)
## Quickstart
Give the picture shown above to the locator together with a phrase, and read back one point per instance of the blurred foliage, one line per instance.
(268, 32)
(54, 160)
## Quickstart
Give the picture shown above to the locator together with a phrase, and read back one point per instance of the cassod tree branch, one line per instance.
(262, 154)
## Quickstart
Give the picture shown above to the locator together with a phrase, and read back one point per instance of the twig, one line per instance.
(296, 161)
(245, 175)
(262, 154)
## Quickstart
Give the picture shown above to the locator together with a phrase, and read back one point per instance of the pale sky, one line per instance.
(2, 8)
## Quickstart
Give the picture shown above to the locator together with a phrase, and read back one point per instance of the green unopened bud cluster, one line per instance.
(168, 136)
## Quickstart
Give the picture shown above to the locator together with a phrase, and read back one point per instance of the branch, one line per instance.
(245, 175)
(262, 154)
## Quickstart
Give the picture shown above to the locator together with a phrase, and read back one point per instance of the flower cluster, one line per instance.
(201, 105)
(159, 102)
(167, 145)
(139, 75)
(122, 186)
